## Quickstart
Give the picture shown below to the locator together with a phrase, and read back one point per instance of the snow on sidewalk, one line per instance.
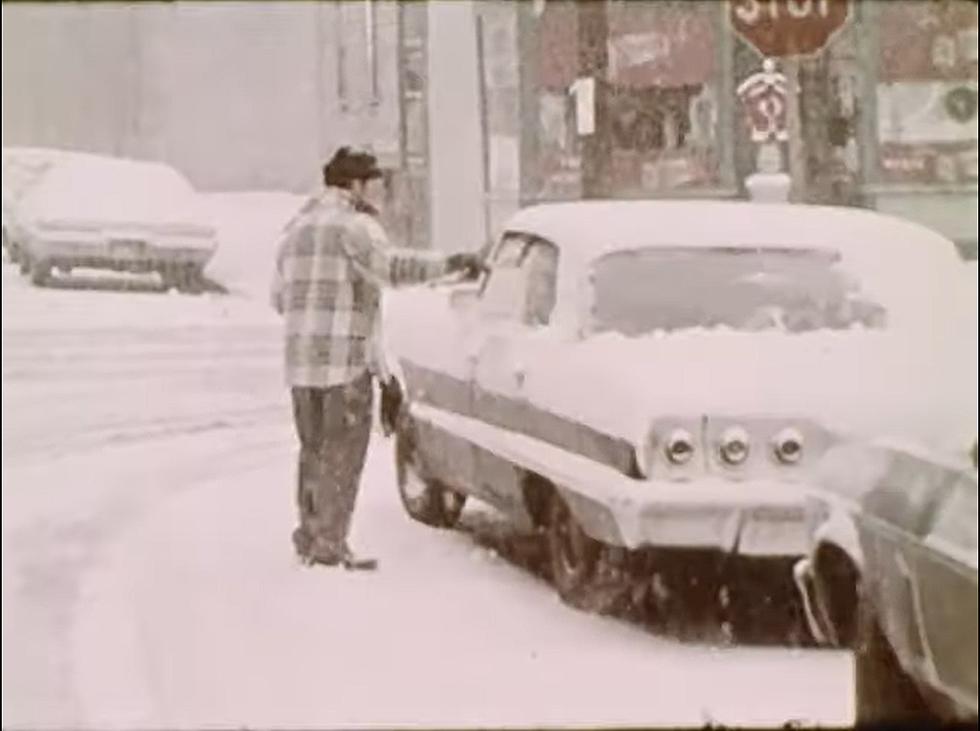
(202, 616)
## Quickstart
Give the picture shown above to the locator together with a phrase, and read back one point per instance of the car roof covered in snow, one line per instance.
(101, 189)
(915, 272)
(595, 228)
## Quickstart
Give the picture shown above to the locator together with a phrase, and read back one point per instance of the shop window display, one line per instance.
(927, 93)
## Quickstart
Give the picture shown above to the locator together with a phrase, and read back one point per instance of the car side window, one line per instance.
(522, 282)
(541, 267)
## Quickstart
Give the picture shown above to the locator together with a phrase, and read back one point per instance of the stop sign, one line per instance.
(782, 28)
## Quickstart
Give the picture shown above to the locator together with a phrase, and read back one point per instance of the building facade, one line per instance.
(638, 100)
(477, 108)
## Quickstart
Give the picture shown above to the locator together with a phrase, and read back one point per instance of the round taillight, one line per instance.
(679, 447)
(734, 448)
(788, 446)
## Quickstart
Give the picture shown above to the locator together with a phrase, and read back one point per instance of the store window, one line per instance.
(927, 92)
(559, 151)
(663, 74)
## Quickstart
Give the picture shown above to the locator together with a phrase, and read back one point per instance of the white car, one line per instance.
(643, 376)
(107, 213)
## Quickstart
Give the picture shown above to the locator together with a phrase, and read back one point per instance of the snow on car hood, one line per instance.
(866, 383)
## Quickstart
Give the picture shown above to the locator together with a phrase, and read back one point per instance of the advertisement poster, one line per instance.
(927, 93)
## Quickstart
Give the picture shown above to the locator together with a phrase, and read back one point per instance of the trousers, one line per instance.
(334, 428)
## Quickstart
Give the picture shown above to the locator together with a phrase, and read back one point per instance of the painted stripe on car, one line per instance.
(518, 415)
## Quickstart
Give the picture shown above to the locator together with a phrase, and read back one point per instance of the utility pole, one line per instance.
(593, 63)
(796, 145)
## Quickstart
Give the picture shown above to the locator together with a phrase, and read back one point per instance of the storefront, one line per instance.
(885, 115)
(921, 88)
(667, 129)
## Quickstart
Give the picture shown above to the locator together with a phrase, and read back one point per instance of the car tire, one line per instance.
(884, 693)
(762, 603)
(572, 553)
(193, 280)
(40, 272)
(185, 278)
(423, 497)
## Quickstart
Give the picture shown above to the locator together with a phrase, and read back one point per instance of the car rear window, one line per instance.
(643, 290)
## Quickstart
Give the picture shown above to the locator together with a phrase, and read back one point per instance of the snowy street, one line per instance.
(148, 577)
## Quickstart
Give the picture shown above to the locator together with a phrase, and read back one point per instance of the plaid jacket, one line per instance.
(330, 268)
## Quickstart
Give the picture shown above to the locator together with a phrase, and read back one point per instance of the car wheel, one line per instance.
(425, 500)
(185, 278)
(762, 605)
(572, 553)
(193, 280)
(40, 271)
(884, 693)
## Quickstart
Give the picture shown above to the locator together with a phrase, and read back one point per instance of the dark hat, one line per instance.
(348, 165)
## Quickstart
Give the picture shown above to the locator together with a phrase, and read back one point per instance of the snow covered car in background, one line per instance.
(125, 215)
(666, 375)
(893, 573)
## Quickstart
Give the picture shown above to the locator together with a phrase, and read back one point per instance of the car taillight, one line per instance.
(787, 446)
(734, 447)
(679, 447)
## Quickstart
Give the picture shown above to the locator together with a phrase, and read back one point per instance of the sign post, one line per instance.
(787, 30)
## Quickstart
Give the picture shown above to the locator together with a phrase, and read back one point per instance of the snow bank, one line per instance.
(249, 225)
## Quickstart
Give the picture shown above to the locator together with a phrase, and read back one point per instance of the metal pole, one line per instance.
(796, 145)
(593, 62)
(481, 72)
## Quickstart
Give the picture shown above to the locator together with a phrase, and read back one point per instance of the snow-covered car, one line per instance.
(108, 213)
(666, 375)
(893, 572)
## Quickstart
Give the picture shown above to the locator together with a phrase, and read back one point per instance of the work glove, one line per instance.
(470, 264)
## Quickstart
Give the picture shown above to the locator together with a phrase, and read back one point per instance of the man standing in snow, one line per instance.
(330, 267)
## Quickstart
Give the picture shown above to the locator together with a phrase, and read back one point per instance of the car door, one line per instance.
(946, 590)
(426, 333)
(891, 525)
(517, 301)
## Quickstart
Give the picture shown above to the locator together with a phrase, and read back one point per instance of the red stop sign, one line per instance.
(781, 28)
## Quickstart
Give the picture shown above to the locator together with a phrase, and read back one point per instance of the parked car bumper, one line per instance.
(751, 518)
(142, 256)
